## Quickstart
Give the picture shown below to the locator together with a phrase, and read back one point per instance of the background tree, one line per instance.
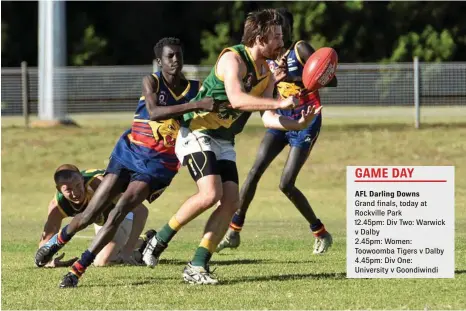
(124, 33)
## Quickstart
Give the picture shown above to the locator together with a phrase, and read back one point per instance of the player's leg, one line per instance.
(197, 271)
(300, 149)
(129, 253)
(136, 192)
(272, 144)
(198, 152)
(109, 254)
(109, 188)
(203, 169)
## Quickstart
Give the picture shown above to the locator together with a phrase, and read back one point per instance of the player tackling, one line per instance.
(205, 143)
(143, 161)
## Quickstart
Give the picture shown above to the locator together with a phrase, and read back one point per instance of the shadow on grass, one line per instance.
(232, 262)
(287, 277)
(131, 282)
(240, 262)
(257, 261)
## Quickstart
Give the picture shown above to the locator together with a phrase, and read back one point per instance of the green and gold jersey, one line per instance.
(69, 209)
(228, 122)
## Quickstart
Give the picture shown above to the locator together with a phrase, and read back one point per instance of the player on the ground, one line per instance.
(143, 162)
(205, 143)
(301, 143)
(74, 190)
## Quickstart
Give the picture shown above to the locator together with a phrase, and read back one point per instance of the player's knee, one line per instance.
(101, 262)
(144, 211)
(210, 191)
(286, 186)
(210, 196)
(118, 214)
(127, 203)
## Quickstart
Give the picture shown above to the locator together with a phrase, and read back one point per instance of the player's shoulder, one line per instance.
(195, 84)
(230, 59)
(301, 46)
(92, 172)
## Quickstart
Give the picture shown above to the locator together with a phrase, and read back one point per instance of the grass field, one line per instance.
(274, 267)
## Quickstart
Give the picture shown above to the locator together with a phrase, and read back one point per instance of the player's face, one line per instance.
(73, 189)
(274, 45)
(172, 59)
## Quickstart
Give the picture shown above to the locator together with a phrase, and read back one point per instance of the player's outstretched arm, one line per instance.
(273, 120)
(53, 223)
(157, 113)
(231, 68)
(51, 227)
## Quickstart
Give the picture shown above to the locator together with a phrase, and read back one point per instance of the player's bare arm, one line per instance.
(51, 227)
(53, 223)
(273, 120)
(231, 68)
(158, 112)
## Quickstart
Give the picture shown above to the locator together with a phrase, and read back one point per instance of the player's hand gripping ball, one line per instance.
(320, 68)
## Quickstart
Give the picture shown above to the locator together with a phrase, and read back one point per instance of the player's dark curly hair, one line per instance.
(287, 15)
(65, 172)
(258, 24)
(158, 48)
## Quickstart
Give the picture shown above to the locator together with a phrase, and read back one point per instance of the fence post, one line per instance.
(417, 108)
(25, 92)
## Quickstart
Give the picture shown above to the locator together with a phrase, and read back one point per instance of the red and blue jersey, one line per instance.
(149, 146)
(286, 89)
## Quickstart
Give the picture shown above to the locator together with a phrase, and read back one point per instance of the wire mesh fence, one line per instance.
(118, 88)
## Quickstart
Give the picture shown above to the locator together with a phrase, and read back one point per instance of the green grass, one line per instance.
(274, 267)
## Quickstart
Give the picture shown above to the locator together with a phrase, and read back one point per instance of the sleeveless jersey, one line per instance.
(286, 89)
(70, 209)
(228, 122)
(149, 146)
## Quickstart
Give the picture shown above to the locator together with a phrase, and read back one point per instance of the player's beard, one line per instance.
(274, 54)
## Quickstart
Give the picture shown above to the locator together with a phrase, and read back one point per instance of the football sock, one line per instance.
(237, 222)
(318, 229)
(80, 266)
(203, 253)
(168, 231)
(63, 236)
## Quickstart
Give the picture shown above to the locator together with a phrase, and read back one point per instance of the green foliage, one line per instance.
(213, 43)
(430, 45)
(355, 5)
(224, 32)
(89, 48)
(360, 31)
